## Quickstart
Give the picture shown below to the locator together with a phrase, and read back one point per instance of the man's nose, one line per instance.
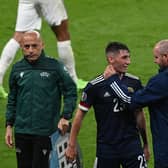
(128, 61)
(31, 48)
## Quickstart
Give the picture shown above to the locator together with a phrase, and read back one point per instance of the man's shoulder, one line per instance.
(19, 63)
(52, 60)
(132, 81)
(94, 83)
(97, 80)
(131, 76)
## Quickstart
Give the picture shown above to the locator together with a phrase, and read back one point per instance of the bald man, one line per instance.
(37, 85)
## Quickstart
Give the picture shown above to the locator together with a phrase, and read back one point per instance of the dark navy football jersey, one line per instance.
(116, 127)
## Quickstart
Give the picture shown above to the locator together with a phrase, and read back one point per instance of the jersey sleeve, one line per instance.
(87, 98)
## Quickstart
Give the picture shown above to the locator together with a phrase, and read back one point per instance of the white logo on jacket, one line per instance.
(107, 94)
(65, 69)
(44, 74)
(21, 74)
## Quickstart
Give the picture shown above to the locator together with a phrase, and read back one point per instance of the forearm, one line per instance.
(141, 123)
(11, 105)
(144, 136)
(145, 143)
(76, 125)
(10, 118)
(70, 98)
(69, 91)
(71, 150)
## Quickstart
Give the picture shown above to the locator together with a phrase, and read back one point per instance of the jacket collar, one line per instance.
(162, 69)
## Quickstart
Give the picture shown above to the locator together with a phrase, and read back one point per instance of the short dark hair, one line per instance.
(115, 47)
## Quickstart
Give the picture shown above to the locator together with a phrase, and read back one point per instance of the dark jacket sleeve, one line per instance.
(155, 90)
(69, 92)
(11, 104)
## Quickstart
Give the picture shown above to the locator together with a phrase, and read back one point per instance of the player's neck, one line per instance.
(121, 75)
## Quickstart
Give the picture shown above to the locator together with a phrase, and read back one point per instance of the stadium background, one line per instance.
(93, 23)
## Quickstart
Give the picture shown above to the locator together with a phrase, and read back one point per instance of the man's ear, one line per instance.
(110, 59)
(166, 56)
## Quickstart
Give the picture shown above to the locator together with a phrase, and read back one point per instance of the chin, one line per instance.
(123, 71)
(31, 60)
